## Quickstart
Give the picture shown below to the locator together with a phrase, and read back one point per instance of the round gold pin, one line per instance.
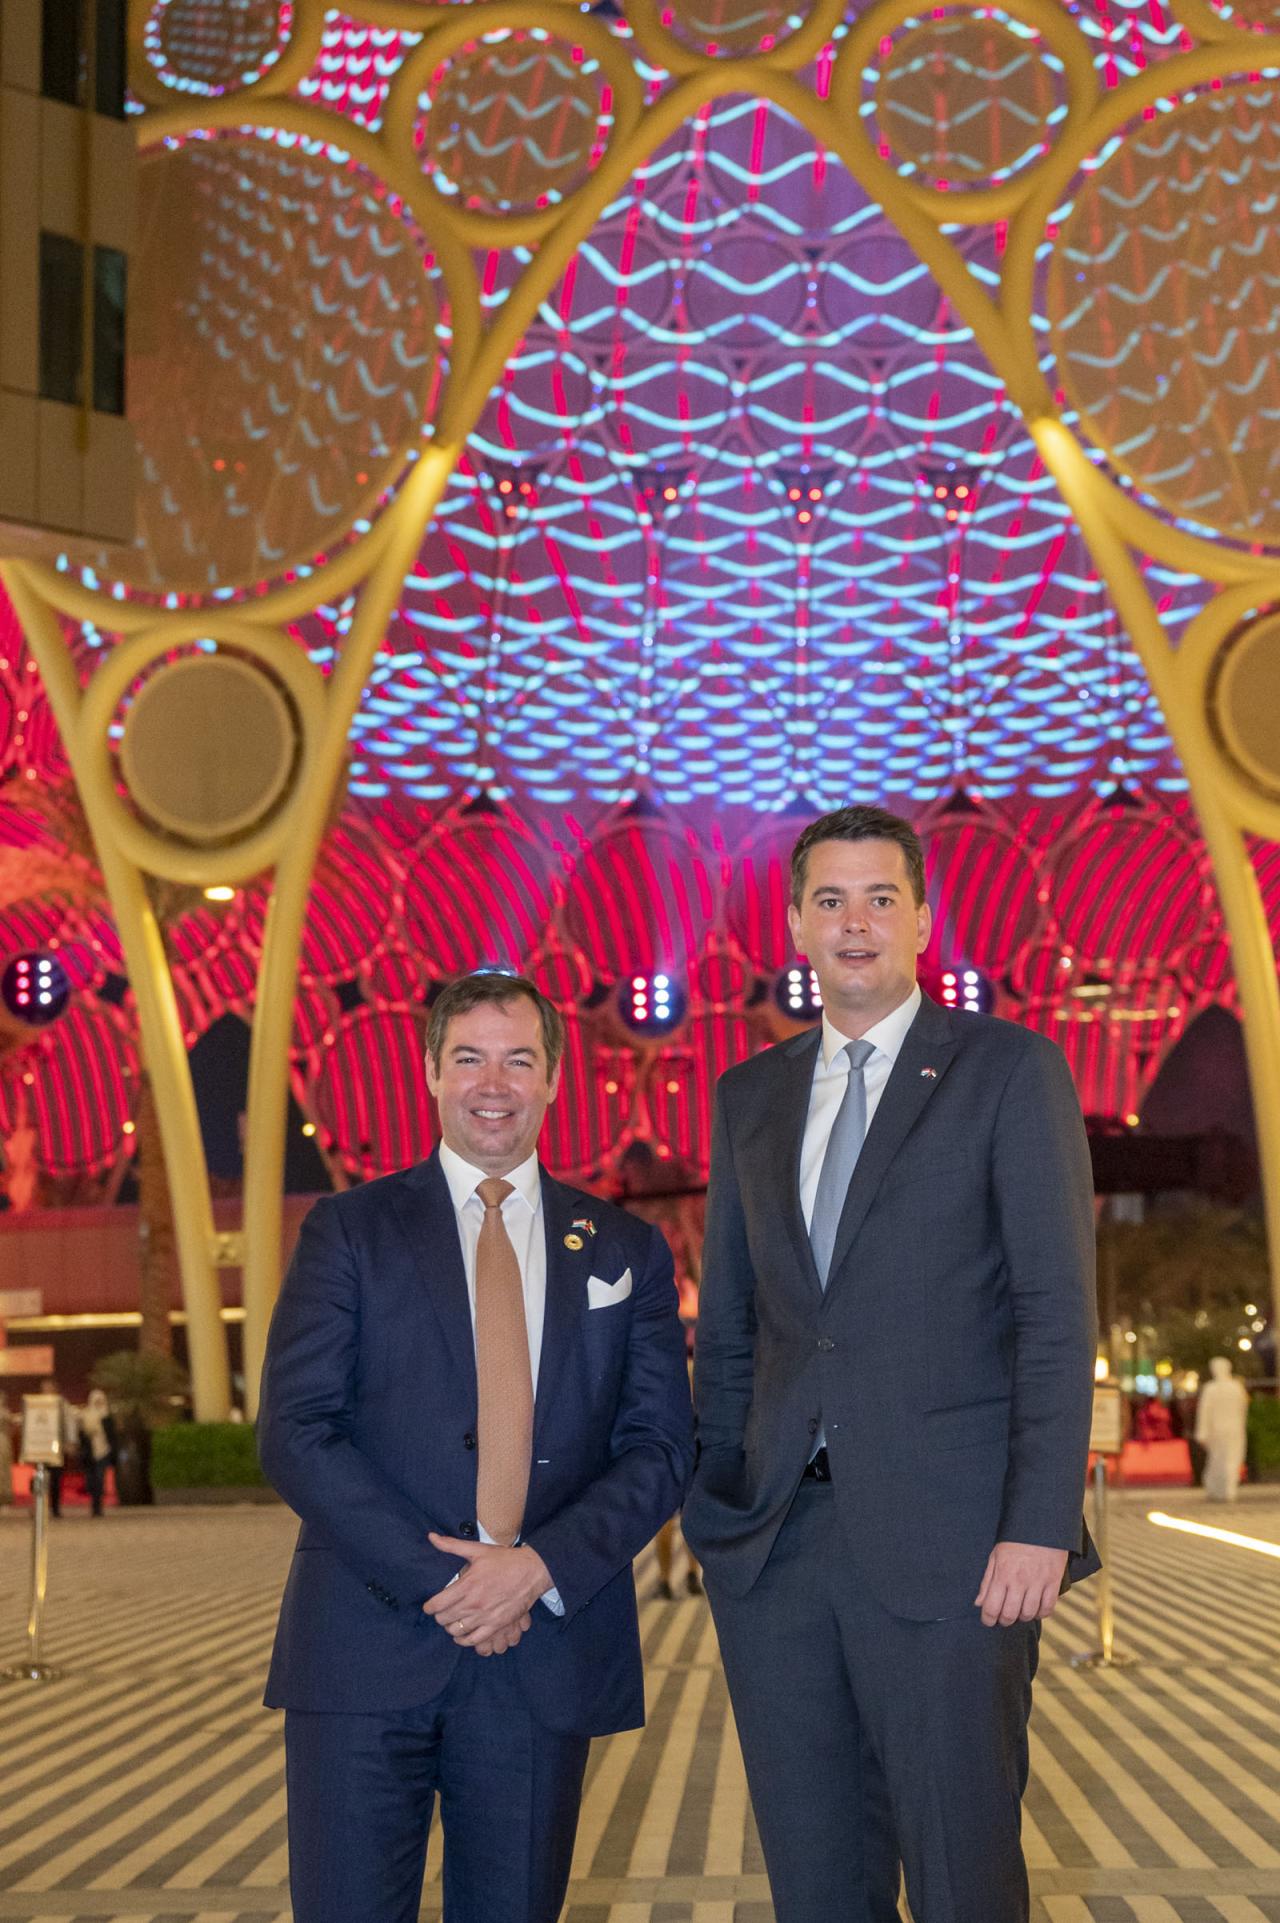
(573, 1241)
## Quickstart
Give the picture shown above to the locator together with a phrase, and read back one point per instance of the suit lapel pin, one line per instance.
(930, 1074)
(584, 1223)
(574, 1242)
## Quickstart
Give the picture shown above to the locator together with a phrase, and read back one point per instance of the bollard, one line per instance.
(1104, 1656)
(34, 1670)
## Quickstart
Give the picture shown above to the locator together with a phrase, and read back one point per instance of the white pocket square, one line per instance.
(603, 1295)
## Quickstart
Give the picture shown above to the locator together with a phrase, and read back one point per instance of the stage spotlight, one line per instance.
(967, 988)
(652, 1004)
(797, 993)
(35, 989)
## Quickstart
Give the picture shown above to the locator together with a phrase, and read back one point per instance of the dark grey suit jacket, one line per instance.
(951, 1357)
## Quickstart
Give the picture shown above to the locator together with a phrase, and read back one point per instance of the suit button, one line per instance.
(813, 1425)
(468, 1441)
(469, 1530)
(825, 1342)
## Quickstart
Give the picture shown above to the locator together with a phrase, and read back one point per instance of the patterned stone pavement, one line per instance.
(145, 1786)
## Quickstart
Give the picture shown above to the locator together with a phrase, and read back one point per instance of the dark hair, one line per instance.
(859, 824)
(490, 985)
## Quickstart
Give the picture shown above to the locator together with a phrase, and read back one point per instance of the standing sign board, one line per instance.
(42, 1431)
(1106, 1435)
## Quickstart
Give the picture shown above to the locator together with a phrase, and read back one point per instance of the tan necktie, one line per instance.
(503, 1375)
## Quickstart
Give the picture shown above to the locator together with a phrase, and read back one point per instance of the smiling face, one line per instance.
(860, 927)
(492, 1084)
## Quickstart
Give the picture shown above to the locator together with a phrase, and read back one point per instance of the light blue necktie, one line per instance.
(844, 1145)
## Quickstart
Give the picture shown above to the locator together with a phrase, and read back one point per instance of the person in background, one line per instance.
(1222, 1416)
(663, 1190)
(670, 1536)
(1153, 1423)
(97, 1446)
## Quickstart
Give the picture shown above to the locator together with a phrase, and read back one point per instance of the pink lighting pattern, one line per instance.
(1093, 919)
(747, 530)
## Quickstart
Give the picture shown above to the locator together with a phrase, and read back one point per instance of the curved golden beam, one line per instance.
(163, 1047)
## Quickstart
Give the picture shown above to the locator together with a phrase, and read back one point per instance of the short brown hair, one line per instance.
(466, 992)
(860, 823)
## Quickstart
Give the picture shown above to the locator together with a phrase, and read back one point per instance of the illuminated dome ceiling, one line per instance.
(748, 528)
(749, 490)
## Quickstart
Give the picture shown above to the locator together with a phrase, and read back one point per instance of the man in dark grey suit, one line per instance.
(895, 1354)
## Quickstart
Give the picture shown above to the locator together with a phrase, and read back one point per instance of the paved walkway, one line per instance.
(146, 1786)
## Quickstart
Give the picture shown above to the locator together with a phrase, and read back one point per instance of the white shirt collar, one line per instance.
(463, 1179)
(887, 1036)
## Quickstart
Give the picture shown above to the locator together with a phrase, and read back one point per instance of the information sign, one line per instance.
(1106, 1436)
(42, 1431)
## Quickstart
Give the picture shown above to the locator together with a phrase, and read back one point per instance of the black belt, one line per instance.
(818, 1467)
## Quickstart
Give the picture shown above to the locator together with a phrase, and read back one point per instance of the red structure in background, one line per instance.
(1096, 922)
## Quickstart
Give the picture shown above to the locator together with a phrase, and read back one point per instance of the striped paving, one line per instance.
(146, 1787)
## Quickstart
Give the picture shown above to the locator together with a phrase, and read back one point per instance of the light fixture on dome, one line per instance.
(651, 1004)
(35, 989)
(797, 993)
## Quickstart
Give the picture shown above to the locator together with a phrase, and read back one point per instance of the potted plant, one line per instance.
(141, 1390)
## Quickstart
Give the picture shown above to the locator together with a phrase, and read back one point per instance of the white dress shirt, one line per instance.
(831, 1078)
(522, 1219)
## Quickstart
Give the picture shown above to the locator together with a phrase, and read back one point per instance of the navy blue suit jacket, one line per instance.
(367, 1429)
(950, 1358)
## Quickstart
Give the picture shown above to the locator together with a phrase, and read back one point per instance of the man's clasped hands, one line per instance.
(486, 1608)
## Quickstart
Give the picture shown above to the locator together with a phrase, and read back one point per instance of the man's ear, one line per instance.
(555, 1083)
(924, 927)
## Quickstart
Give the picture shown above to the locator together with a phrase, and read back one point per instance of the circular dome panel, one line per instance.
(1244, 701)
(1163, 309)
(514, 122)
(283, 341)
(210, 747)
(968, 99)
(732, 28)
(207, 47)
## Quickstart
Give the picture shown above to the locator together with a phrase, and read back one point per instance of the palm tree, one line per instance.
(1184, 1278)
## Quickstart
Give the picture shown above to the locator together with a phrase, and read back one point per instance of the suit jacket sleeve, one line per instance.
(600, 1532)
(725, 1349)
(305, 1422)
(1044, 1201)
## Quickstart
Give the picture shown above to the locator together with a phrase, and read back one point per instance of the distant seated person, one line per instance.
(1153, 1423)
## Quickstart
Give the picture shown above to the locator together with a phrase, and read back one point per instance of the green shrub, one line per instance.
(206, 1455)
(1264, 1438)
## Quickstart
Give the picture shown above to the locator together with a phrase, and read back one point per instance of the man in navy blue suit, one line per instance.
(894, 1381)
(467, 1343)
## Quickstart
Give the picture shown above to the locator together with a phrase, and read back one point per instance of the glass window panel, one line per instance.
(109, 81)
(110, 275)
(61, 318)
(62, 51)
